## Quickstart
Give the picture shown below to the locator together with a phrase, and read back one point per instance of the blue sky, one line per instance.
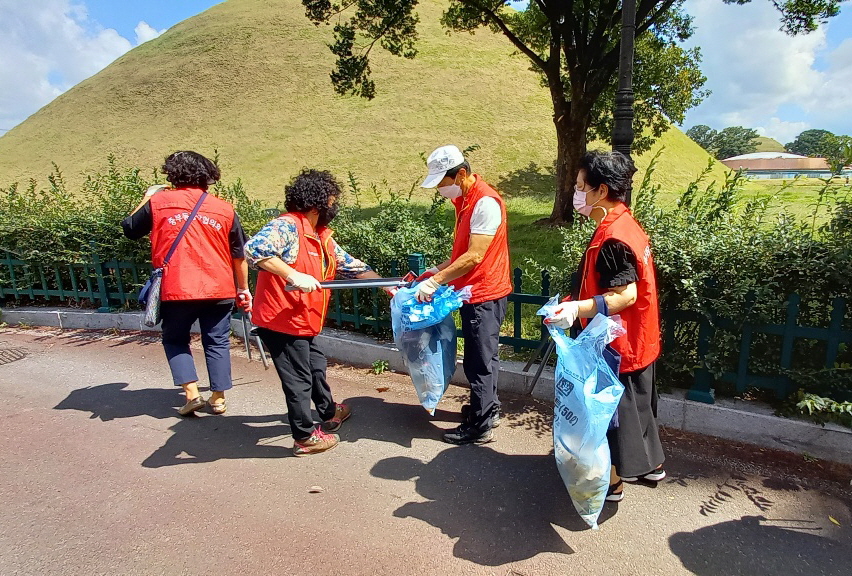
(123, 15)
(760, 78)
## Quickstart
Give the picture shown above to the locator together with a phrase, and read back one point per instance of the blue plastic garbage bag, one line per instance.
(587, 396)
(425, 334)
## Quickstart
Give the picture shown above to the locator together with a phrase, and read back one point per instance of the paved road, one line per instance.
(100, 476)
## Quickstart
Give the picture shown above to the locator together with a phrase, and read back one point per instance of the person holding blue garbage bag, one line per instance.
(618, 265)
(480, 259)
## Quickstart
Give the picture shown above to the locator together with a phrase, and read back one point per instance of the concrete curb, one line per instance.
(731, 419)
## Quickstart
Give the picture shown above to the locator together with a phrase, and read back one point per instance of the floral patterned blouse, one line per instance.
(280, 238)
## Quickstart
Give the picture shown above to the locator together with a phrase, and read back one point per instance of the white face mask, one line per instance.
(579, 202)
(450, 192)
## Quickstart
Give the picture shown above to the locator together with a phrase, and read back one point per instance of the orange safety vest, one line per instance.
(201, 267)
(490, 279)
(295, 312)
(640, 346)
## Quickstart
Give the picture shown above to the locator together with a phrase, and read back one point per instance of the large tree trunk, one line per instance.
(571, 142)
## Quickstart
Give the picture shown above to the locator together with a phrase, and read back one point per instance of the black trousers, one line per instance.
(301, 365)
(635, 445)
(481, 330)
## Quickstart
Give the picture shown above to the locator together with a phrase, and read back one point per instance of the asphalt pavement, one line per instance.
(101, 476)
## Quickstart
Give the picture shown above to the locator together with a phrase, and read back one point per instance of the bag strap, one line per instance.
(184, 229)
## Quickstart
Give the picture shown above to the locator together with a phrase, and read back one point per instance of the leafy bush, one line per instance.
(394, 228)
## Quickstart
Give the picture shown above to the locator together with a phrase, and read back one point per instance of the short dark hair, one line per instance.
(310, 189)
(186, 168)
(452, 172)
(611, 168)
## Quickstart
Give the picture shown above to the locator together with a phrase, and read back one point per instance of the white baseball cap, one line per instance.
(441, 160)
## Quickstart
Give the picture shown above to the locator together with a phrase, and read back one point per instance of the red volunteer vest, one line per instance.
(641, 345)
(490, 279)
(297, 313)
(201, 267)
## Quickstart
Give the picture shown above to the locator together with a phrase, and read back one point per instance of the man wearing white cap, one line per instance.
(480, 259)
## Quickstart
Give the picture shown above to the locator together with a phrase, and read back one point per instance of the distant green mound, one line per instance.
(766, 144)
(249, 78)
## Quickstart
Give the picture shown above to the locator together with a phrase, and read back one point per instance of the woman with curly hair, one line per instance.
(205, 274)
(297, 249)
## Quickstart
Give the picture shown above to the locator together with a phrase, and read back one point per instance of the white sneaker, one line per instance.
(654, 476)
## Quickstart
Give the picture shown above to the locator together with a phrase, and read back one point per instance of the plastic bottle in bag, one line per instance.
(425, 334)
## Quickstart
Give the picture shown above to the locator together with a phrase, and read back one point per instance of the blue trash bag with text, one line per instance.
(587, 396)
(425, 334)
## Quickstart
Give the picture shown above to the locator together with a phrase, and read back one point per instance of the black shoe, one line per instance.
(495, 418)
(464, 434)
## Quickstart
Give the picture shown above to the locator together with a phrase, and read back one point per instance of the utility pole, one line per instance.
(622, 131)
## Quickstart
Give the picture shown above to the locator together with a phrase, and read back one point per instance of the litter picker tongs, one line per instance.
(248, 334)
(364, 283)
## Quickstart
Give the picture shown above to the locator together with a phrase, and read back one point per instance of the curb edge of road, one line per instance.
(729, 419)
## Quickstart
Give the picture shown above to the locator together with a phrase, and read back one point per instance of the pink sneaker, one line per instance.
(318, 442)
(342, 412)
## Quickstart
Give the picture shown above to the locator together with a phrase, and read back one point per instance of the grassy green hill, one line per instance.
(250, 79)
(766, 144)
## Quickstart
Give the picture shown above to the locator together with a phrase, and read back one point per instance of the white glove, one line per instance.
(154, 189)
(244, 300)
(426, 289)
(564, 316)
(304, 282)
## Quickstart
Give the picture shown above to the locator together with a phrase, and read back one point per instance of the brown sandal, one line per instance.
(191, 406)
(218, 408)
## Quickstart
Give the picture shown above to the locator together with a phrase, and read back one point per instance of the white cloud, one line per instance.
(145, 32)
(47, 46)
(765, 79)
(781, 130)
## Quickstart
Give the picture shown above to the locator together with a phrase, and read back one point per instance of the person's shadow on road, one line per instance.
(753, 545)
(383, 421)
(501, 507)
(113, 401)
(194, 439)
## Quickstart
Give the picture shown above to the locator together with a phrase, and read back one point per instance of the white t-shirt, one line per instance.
(486, 217)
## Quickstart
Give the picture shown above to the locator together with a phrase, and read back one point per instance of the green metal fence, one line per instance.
(111, 284)
(741, 376)
(103, 283)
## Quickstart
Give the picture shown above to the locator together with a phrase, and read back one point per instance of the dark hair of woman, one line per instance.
(611, 168)
(190, 169)
(310, 189)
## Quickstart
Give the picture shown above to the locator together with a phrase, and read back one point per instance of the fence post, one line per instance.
(702, 389)
(100, 275)
(837, 312)
(12, 281)
(545, 291)
(517, 329)
(787, 343)
(417, 263)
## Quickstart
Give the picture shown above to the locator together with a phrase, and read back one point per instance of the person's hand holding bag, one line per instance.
(564, 316)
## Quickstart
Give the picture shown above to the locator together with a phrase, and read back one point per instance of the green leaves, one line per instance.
(731, 141)
(390, 23)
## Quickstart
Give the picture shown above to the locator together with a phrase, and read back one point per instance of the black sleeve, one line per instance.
(237, 238)
(138, 224)
(616, 265)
